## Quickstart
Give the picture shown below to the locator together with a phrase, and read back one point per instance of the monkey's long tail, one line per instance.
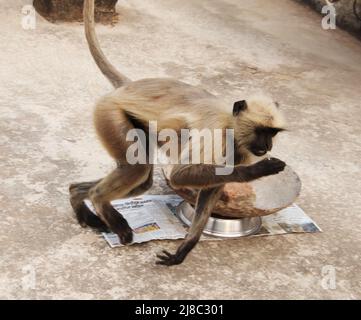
(110, 72)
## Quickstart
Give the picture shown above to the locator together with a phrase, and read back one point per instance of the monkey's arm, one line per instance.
(204, 175)
(206, 200)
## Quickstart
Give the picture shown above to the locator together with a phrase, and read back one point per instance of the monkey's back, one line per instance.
(171, 103)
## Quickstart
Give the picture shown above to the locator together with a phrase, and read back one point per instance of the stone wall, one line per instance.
(348, 13)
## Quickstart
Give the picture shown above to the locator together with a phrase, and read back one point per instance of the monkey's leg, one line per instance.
(142, 188)
(78, 193)
(118, 184)
(112, 126)
(205, 203)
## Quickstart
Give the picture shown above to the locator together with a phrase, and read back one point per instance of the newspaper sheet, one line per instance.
(153, 217)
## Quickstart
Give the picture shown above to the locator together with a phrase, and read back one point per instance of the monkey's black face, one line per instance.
(263, 141)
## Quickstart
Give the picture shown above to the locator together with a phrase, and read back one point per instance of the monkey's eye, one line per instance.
(274, 131)
(269, 131)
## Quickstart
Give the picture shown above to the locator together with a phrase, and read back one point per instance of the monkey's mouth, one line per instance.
(259, 153)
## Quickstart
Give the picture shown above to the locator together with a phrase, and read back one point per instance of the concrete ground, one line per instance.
(233, 48)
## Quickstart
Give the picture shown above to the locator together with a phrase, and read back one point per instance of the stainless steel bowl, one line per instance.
(221, 227)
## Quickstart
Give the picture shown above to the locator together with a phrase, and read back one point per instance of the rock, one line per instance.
(72, 10)
(256, 198)
(348, 13)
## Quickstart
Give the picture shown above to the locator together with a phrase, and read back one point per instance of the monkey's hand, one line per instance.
(265, 167)
(168, 259)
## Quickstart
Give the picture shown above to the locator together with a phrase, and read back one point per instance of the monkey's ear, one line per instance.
(239, 106)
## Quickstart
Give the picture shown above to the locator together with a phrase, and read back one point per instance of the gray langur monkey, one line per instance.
(176, 105)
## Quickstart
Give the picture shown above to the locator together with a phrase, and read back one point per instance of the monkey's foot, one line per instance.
(125, 234)
(168, 259)
(86, 218)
